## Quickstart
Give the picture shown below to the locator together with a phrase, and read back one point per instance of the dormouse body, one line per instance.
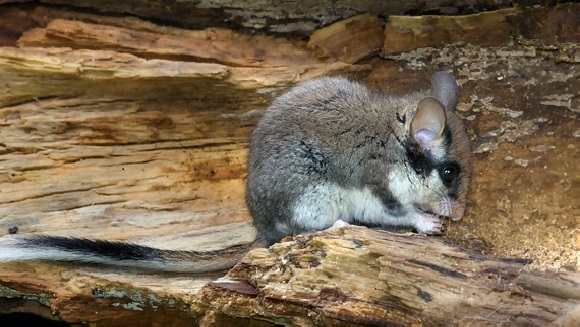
(329, 150)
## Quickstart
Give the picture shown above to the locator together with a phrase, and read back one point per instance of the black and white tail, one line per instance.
(118, 254)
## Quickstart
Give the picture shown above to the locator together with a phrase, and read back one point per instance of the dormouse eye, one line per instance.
(449, 174)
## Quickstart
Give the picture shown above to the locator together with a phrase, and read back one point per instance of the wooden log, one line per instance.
(353, 275)
(106, 144)
(147, 147)
(488, 29)
(379, 278)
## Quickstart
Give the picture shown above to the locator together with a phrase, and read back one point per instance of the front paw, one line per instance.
(428, 224)
(338, 224)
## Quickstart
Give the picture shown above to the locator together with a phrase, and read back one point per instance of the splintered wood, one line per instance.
(368, 277)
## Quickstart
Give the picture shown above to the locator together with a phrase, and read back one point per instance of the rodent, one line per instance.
(328, 150)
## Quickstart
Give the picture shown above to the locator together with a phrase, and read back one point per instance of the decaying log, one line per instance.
(212, 45)
(353, 275)
(379, 278)
(106, 138)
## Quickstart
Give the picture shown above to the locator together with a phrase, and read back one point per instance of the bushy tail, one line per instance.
(119, 254)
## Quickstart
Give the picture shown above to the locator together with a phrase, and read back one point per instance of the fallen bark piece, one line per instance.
(403, 33)
(361, 276)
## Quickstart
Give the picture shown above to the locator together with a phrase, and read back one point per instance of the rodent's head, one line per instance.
(438, 153)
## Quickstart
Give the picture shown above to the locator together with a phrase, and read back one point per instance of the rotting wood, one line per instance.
(368, 277)
(135, 136)
(353, 275)
(106, 144)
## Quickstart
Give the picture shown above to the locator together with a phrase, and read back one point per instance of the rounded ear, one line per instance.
(444, 89)
(428, 123)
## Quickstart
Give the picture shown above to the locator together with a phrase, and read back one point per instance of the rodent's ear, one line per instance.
(428, 123)
(444, 89)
